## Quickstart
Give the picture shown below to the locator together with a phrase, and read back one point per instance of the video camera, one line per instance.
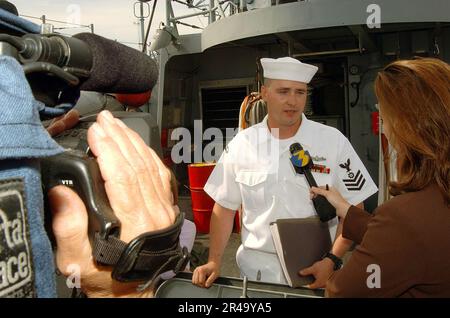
(60, 69)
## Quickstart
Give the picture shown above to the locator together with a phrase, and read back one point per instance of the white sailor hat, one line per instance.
(288, 68)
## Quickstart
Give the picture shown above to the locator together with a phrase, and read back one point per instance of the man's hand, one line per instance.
(335, 199)
(138, 187)
(64, 122)
(205, 275)
(321, 271)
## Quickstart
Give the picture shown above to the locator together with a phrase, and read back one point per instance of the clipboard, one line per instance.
(299, 243)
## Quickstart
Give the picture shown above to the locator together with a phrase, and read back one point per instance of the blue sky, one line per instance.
(113, 19)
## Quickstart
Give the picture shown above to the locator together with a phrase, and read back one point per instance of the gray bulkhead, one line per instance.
(331, 34)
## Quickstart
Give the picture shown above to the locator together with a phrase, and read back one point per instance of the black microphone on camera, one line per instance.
(302, 163)
(54, 63)
(106, 65)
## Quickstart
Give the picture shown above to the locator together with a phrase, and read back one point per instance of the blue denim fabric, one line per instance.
(52, 112)
(21, 132)
(13, 22)
(23, 140)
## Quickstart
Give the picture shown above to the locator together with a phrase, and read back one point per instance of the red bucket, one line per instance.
(199, 174)
(203, 218)
(202, 204)
(201, 201)
(237, 223)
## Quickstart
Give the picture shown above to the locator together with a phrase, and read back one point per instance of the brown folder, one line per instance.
(300, 242)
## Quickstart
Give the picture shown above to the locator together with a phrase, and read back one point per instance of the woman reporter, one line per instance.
(404, 247)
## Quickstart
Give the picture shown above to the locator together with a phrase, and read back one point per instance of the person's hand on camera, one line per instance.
(334, 197)
(138, 187)
(63, 123)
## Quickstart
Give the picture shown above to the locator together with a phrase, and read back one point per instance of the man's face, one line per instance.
(285, 101)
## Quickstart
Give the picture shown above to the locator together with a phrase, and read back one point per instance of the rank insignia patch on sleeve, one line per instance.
(354, 181)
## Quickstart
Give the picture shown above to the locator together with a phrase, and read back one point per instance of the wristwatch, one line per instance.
(336, 260)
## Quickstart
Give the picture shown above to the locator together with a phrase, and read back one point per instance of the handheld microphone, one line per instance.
(302, 163)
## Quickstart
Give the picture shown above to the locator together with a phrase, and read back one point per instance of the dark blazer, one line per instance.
(408, 238)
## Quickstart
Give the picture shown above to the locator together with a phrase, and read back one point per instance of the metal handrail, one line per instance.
(215, 9)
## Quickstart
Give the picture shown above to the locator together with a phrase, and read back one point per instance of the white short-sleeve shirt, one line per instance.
(255, 171)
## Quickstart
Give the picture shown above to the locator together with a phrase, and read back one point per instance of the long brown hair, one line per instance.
(414, 98)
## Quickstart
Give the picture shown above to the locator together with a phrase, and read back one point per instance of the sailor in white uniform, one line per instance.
(255, 171)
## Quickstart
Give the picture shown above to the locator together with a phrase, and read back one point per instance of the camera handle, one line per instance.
(80, 172)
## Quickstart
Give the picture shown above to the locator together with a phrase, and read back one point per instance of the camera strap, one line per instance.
(145, 257)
